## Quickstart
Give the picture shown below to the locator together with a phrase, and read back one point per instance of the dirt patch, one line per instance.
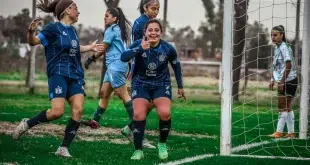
(87, 134)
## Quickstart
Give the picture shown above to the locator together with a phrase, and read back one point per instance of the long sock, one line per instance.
(40, 118)
(130, 125)
(290, 122)
(164, 128)
(70, 132)
(281, 121)
(97, 115)
(129, 109)
(138, 133)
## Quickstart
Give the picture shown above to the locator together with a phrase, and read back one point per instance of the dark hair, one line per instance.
(122, 22)
(145, 2)
(153, 21)
(57, 7)
(281, 29)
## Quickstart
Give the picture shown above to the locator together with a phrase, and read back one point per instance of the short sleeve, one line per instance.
(109, 35)
(48, 34)
(285, 51)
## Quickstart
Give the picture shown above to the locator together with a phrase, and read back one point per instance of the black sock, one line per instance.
(40, 118)
(70, 132)
(130, 125)
(129, 109)
(97, 115)
(138, 133)
(164, 127)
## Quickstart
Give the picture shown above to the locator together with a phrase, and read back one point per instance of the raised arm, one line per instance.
(134, 50)
(31, 37)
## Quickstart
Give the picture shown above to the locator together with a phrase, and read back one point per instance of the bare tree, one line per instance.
(32, 59)
(111, 3)
(239, 40)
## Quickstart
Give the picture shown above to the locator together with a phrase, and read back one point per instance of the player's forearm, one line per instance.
(288, 67)
(32, 39)
(178, 74)
(85, 48)
(131, 53)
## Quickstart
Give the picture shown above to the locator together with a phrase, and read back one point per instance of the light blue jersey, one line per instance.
(112, 36)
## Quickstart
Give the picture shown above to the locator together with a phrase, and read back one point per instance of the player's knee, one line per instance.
(139, 116)
(77, 113)
(164, 113)
(56, 112)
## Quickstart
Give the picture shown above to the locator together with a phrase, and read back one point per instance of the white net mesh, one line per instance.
(255, 114)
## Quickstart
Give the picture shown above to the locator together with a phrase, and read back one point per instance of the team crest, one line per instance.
(74, 43)
(144, 54)
(162, 58)
(58, 90)
(152, 66)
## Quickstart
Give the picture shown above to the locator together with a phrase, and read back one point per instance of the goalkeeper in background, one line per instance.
(285, 75)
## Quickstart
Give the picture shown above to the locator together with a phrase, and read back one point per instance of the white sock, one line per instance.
(281, 121)
(290, 122)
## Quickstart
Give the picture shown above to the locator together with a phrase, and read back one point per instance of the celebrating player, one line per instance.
(284, 74)
(148, 9)
(151, 82)
(64, 71)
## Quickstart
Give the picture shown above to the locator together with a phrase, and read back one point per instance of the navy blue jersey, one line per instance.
(151, 66)
(138, 27)
(62, 50)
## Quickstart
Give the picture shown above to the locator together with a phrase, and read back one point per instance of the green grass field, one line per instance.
(196, 131)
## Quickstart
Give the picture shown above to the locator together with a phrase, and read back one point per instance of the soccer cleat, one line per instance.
(137, 155)
(276, 135)
(20, 129)
(162, 151)
(127, 133)
(290, 135)
(91, 123)
(63, 151)
(147, 144)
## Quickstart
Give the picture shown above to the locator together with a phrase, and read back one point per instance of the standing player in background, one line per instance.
(64, 70)
(151, 82)
(285, 75)
(148, 9)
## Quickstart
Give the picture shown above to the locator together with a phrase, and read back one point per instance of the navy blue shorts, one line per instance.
(64, 87)
(151, 93)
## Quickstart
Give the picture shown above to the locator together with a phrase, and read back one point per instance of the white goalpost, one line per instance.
(244, 130)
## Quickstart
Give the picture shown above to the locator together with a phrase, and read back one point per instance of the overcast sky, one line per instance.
(181, 12)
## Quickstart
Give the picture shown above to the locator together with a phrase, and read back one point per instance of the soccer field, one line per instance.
(196, 129)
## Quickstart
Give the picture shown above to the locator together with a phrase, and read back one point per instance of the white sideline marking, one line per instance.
(5, 113)
(189, 159)
(236, 149)
(252, 145)
(270, 157)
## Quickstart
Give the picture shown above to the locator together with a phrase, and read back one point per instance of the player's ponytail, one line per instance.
(122, 22)
(57, 7)
(281, 29)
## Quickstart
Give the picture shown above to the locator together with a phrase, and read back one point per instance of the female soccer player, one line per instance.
(64, 71)
(151, 82)
(148, 9)
(115, 39)
(284, 74)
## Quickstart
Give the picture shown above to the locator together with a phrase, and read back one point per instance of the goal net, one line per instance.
(249, 109)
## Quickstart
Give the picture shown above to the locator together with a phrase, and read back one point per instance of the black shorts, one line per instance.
(290, 88)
